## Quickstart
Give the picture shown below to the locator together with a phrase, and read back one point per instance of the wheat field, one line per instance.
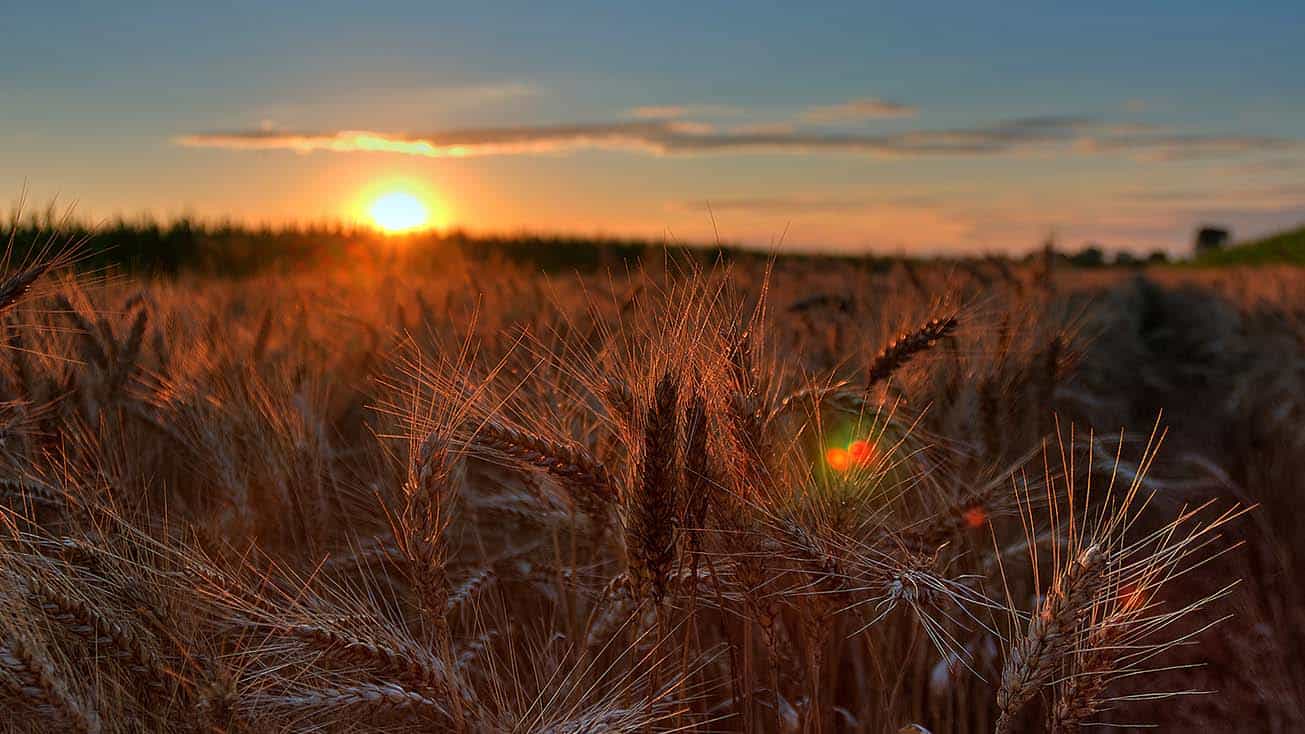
(747, 497)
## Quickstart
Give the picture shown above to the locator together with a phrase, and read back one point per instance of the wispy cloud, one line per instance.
(676, 111)
(855, 110)
(454, 143)
(1168, 146)
(1269, 166)
(1239, 197)
(764, 128)
(658, 112)
(1084, 135)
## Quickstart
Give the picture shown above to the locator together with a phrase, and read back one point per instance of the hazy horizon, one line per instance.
(847, 130)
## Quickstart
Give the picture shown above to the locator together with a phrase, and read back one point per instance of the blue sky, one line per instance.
(928, 126)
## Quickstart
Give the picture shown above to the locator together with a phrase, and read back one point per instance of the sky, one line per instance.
(922, 127)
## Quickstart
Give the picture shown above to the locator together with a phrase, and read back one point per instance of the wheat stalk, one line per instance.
(652, 506)
(1034, 659)
(902, 349)
(30, 676)
(586, 477)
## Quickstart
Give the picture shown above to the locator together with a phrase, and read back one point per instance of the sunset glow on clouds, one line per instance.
(870, 108)
(1077, 135)
(845, 130)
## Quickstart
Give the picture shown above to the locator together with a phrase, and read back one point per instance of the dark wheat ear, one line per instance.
(88, 343)
(16, 286)
(264, 333)
(581, 473)
(429, 498)
(50, 256)
(109, 636)
(903, 348)
(29, 676)
(651, 521)
(619, 402)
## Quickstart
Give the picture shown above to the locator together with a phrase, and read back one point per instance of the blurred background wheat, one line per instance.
(673, 495)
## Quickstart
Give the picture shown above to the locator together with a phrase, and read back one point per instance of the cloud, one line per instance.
(764, 128)
(450, 144)
(855, 110)
(675, 112)
(658, 112)
(1270, 166)
(1170, 146)
(652, 136)
(662, 137)
(1220, 195)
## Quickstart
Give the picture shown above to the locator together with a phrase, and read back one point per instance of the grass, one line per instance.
(1282, 248)
(675, 496)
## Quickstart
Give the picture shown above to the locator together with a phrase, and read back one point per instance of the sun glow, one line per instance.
(396, 212)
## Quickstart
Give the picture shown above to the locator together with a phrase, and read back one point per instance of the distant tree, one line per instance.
(1125, 258)
(1091, 256)
(1211, 238)
(1157, 257)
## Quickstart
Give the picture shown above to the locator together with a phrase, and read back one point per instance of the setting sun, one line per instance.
(398, 211)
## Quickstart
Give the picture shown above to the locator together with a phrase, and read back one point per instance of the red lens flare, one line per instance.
(838, 459)
(974, 517)
(861, 452)
(1131, 597)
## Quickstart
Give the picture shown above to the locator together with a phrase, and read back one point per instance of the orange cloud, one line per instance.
(675, 112)
(1076, 134)
(659, 112)
(855, 110)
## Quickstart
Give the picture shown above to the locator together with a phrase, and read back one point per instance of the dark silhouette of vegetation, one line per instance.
(150, 247)
(187, 245)
(1286, 248)
(1090, 256)
(1211, 238)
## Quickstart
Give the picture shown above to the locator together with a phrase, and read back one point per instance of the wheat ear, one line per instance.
(1034, 659)
(902, 349)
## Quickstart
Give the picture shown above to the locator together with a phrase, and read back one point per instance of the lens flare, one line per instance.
(861, 452)
(1131, 597)
(974, 517)
(838, 459)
